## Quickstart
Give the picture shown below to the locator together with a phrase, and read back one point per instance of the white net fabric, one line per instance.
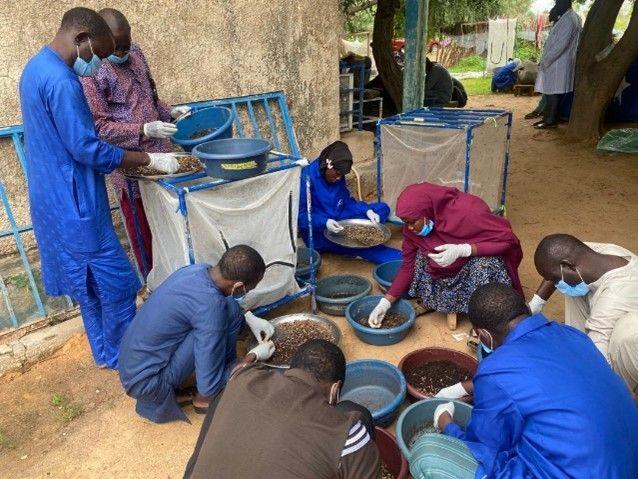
(260, 212)
(414, 154)
(487, 161)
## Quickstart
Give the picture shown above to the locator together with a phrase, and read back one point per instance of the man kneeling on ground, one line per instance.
(546, 404)
(190, 324)
(289, 424)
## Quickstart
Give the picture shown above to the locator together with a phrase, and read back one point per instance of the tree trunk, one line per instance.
(597, 79)
(382, 35)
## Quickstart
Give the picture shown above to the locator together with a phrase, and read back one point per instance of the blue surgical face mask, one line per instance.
(237, 295)
(427, 228)
(84, 68)
(580, 289)
(486, 349)
(113, 58)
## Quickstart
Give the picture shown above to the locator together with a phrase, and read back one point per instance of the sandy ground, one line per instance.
(553, 186)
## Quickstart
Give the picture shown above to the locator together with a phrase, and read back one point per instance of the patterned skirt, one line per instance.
(452, 295)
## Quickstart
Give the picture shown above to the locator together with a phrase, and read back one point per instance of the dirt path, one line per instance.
(94, 431)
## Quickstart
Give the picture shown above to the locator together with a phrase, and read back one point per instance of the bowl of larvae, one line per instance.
(359, 234)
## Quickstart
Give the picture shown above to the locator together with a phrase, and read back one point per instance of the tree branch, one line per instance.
(390, 73)
(355, 9)
(597, 31)
(629, 40)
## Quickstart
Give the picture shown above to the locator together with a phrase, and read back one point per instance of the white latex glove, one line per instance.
(536, 304)
(262, 329)
(445, 407)
(333, 226)
(159, 129)
(372, 216)
(378, 313)
(263, 350)
(455, 391)
(178, 111)
(449, 253)
(165, 162)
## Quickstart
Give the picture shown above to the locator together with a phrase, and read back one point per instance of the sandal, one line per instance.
(184, 397)
(200, 409)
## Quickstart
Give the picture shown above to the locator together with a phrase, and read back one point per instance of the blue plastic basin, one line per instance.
(421, 413)
(377, 385)
(218, 119)
(234, 158)
(379, 337)
(302, 272)
(385, 273)
(335, 293)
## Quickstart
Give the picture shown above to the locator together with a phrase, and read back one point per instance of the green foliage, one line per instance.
(5, 442)
(442, 13)
(362, 21)
(526, 50)
(474, 63)
(446, 13)
(515, 8)
(19, 280)
(68, 410)
(477, 86)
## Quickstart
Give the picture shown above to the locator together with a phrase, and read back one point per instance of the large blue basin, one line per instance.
(385, 273)
(336, 292)
(214, 123)
(377, 385)
(381, 336)
(302, 271)
(234, 158)
(420, 413)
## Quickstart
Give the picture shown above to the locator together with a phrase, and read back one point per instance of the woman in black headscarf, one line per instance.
(332, 202)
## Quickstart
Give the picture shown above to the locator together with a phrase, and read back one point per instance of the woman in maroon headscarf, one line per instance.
(452, 244)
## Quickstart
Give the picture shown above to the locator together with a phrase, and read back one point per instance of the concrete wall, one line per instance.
(197, 49)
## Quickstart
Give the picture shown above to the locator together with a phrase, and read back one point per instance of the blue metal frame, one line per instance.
(510, 121)
(16, 133)
(278, 161)
(265, 99)
(448, 118)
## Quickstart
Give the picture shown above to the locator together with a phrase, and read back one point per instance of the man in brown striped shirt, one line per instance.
(286, 426)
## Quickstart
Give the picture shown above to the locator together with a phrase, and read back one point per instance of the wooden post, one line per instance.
(416, 37)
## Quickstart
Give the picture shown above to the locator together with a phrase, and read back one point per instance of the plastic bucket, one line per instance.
(217, 119)
(381, 336)
(422, 412)
(428, 355)
(390, 453)
(377, 385)
(234, 158)
(335, 293)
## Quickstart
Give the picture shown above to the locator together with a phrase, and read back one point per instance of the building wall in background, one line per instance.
(197, 50)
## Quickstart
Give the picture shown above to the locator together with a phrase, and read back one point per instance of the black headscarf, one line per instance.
(336, 155)
(559, 9)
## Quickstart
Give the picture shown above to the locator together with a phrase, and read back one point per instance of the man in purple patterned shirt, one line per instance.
(129, 114)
